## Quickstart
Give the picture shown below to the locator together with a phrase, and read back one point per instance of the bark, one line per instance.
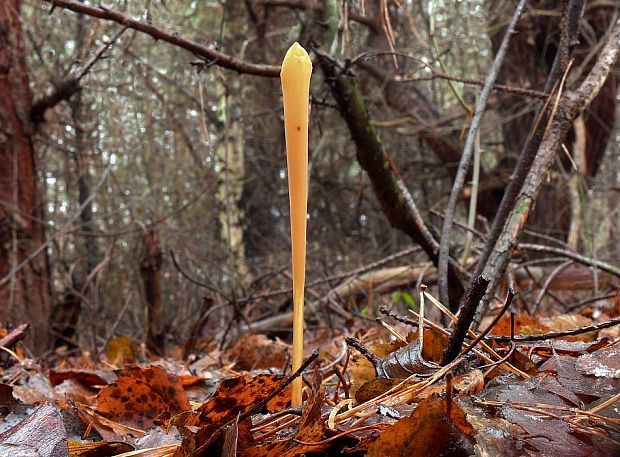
(25, 294)
(471, 301)
(150, 266)
(231, 154)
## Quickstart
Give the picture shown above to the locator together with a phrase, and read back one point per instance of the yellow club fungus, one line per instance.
(295, 77)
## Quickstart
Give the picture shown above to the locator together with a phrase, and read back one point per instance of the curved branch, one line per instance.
(604, 266)
(213, 56)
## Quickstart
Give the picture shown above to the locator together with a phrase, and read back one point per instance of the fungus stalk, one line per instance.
(295, 77)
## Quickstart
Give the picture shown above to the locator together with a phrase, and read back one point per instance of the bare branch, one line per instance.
(198, 49)
(459, 180)
(71, 85)
(570, 106)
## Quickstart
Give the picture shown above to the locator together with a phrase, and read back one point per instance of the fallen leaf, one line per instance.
(429, 431)
(88, 378)
(122, 350)
(523, 325)
(548, 436)
(234, 397)
(561, 322)
(256, 351)
(140, 395)
(602, 363)
(308, 437)
(97, 448)
(588, 388)
(404, 362)
(237, 396)
(42, 434)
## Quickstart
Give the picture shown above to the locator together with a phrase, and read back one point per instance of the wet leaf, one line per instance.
(427, 432)
(374, 388)
(588, 388)
(257, 351)
(140, 395)
(602, 363)
(233, 397)
(42, 434)
(88, 378)
(405, 361)
(237, 396)
(551, 436)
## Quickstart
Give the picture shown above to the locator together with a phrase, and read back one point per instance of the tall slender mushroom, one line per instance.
(295, 77)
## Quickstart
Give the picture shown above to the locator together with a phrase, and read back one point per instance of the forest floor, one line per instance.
(375, 389)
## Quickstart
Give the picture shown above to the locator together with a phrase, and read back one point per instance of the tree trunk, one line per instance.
(150, 266)
(25, 293)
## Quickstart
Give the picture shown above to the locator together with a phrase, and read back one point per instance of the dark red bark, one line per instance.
(24, 292)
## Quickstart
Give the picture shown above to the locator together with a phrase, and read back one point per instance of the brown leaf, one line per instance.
(374, 388)
(42, 434)
(121, 350)
(428, 432)
(237, 396)
(233, 397)
(87, 378)
(589, 388)
(311, 430)
(97, 448)
(405, 361)
(602, 363)
(8, 402)
(549, 436)
(253, 352)
(524, 325)
(560, 322)
(466, 384)
(140, 395)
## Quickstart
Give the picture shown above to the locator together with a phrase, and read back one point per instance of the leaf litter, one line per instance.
(373, 391)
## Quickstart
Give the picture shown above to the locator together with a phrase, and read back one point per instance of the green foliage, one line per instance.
(401, 296)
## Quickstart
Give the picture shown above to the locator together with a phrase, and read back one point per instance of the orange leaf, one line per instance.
(427, 432)
(139, 395)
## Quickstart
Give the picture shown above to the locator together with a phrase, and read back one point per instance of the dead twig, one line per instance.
(466, 317)
(551, 335)
(459, 180)
(15, 335)
(511, 295)
(607, 267)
